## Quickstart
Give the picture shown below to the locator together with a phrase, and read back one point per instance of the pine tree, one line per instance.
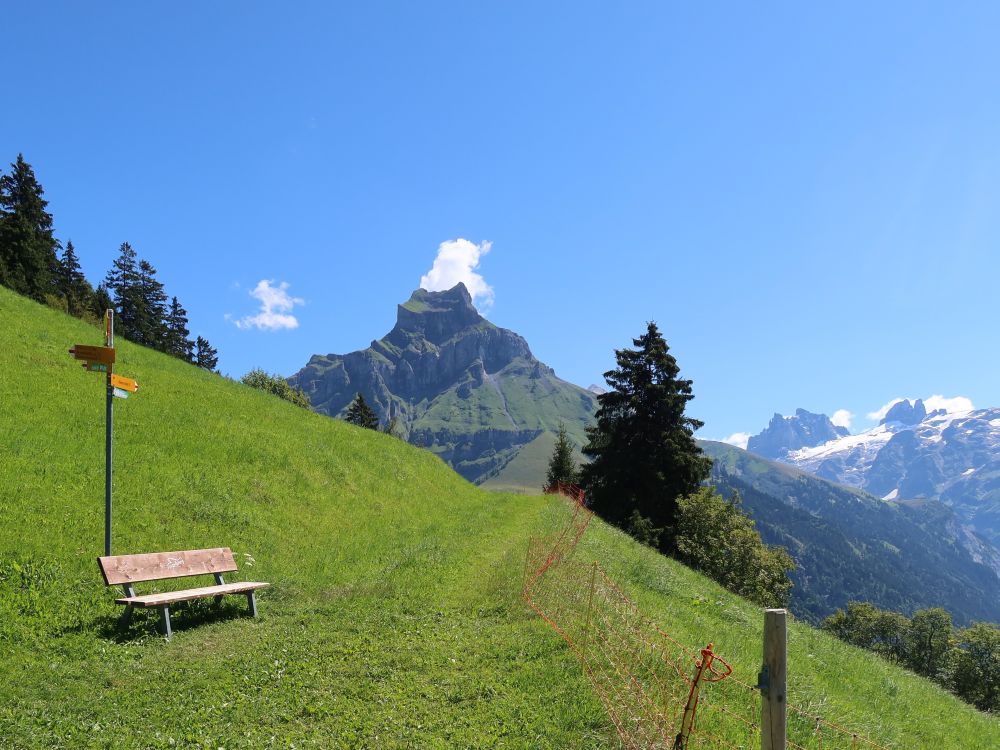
(71, 284)
(177, 342)
(205, 355)
(361, 414)
(642, 449)
(28, 261)
(152, 318)
(100, 302)
(562, 467)
(122, 283)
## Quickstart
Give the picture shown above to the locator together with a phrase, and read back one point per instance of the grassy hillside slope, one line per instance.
(394, 618)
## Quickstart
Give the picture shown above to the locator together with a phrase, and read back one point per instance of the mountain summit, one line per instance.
(785, 434)
(454, 382)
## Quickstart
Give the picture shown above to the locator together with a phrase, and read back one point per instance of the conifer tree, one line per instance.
(152, 317)
(205, 354)
(361, 414)
(71, 284)
(562, 467)
(642, 448)
(122, 283)
(177, 342)
(100, 302)
(28, 261)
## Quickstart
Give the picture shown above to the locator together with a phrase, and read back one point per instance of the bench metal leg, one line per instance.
(165, 621)
(126, 617)
(252, 600)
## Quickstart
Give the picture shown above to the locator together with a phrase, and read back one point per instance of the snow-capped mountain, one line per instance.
(912, 455)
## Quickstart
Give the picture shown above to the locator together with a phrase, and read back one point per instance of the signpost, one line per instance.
(102, 359)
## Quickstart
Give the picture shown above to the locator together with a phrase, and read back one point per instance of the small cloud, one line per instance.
(456, 261)
(739, 439)
(275, 308)
(950, 405)
(879, 415)
(842, 418)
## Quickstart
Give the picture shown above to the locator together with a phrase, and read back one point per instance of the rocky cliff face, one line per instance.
(455, 383)
(784, 434)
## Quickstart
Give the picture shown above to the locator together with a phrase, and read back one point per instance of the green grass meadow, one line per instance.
(394, 618)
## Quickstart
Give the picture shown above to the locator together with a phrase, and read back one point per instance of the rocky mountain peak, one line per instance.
(468, 390)
(803, 430)
(906, 412)
(437, 316)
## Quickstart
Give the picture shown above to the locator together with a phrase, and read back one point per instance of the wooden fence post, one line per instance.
(772, 681)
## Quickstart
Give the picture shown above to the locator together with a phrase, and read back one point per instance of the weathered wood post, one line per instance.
(773, 681)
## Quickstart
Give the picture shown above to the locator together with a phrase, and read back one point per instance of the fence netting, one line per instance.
(658, 692)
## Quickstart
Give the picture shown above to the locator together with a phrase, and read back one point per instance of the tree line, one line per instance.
(34, 263)
(965, 661)
(647, 475)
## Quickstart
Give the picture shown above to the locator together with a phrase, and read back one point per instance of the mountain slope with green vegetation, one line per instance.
(851, 546)
(454, 383)
(393, 620)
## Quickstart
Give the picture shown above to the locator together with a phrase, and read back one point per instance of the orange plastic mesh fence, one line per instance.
(642, 675)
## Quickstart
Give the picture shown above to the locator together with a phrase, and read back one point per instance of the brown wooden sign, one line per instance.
(104, 354)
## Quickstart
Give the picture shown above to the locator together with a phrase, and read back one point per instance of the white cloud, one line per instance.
(739, 439)
(276, 306)
(842, 418)
(959, 403)
(880, 414)
(456, 261)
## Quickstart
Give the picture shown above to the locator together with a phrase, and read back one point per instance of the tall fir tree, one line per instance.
(562, 466)
(28, 260)
(122, 283)
(152, 319)
(100, 302)
(72, 285)
(205, 354)
(178, 344)
(361, 414)
(642, 448)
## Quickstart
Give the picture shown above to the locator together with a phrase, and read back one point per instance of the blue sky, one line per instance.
(805, 199)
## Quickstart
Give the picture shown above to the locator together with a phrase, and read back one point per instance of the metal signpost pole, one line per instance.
(109, 336)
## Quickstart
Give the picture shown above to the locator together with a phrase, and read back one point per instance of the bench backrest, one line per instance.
(154, 566)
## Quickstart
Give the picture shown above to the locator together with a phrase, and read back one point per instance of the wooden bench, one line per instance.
(125, 570)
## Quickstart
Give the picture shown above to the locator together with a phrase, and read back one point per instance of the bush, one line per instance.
(715, 536)
(276, 385)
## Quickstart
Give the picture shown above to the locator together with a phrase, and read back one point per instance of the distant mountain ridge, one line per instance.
(850, 545)
(470, 391)
(912, 455)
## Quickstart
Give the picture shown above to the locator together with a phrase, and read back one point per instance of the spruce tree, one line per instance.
(100, 302)
(71, 284)
(28, 261)
(205, 354)
(152, 317)
(361, 414)
(177, 342)
(122, 283)
(642, 448)
(562, 467)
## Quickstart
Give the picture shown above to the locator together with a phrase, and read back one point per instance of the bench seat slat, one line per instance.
(169, 597)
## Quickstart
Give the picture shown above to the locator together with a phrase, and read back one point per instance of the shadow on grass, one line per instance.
(184, 616)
